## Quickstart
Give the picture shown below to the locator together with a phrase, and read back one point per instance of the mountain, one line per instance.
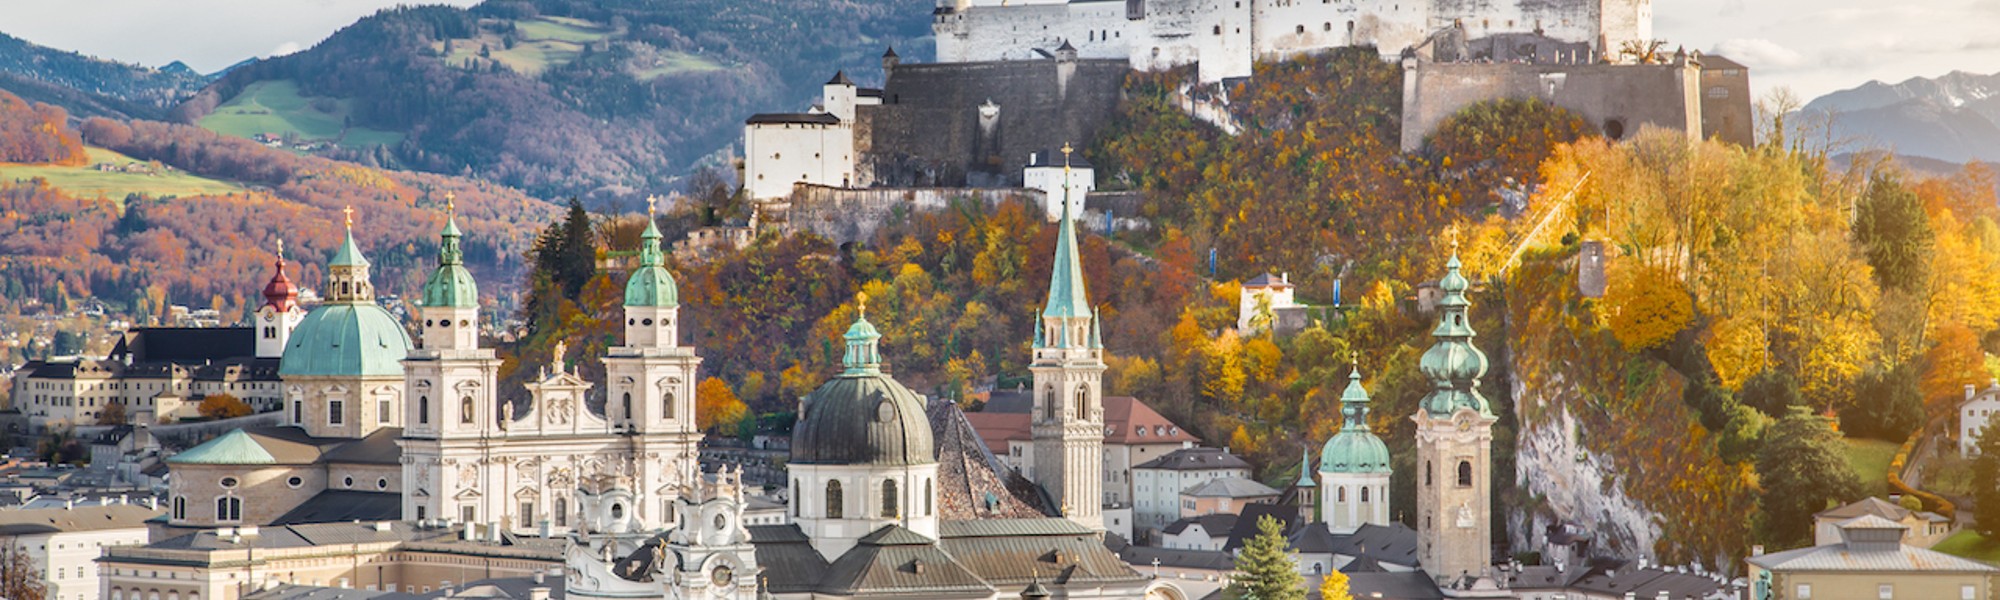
(95, 87)
(605, 99)
(1953, 118)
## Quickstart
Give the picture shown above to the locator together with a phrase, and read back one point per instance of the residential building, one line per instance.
(1975, 414)
(1923, 528)
(1225, 495)
(1157, 484)
(1871, 562)
(64, 542)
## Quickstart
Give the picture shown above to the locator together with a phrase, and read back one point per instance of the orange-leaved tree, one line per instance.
(716, 405)
(223, 406)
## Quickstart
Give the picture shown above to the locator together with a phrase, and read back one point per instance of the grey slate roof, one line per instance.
(1191, 459)
(1407, 585)
(803, 118)
(339, 506)
(379, 448)
(1219, 524)
(972, 482)
(81, 518)
(843, 423)
(1246, 524)
(1230, 487)
(1840, 557)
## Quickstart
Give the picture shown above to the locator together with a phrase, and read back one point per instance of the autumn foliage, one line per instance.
(223, 406)
(36, 133)
(716, 406)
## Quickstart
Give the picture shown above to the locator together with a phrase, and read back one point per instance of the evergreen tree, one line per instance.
(1891, 223)
(1803, 467)
(1771, 391)
(1887, 405)
(565, 259)
(1268, 570)
(1986, 475)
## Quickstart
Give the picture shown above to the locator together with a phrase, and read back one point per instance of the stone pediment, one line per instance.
(468, 494)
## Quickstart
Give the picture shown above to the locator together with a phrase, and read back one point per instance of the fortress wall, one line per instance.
(854, 215)
(1617, 99)
(929, 130)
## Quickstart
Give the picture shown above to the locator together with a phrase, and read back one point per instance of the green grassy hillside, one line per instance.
(276, 107)
(141, 178)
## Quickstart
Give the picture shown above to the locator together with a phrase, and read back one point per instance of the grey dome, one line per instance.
(863, 419)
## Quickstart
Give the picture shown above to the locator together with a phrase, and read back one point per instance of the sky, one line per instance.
(1810, 46)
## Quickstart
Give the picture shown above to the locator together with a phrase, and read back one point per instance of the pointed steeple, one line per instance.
(347, 273)
(651, 285)
(349, 254)
(1067, 298)
(1305, 469)
(863, 355)
(1453, 364)
(1096, 328)
(1354, 405)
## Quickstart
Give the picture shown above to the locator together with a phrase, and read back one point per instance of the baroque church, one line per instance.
(378, 427)
(889, 493)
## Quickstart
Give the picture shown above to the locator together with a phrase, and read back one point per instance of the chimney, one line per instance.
(548, 530)
(540, 576)
(1757, 550)
(1970, 391)
(1285, 277)
(382, 526)
(249, 531)
(538, 592)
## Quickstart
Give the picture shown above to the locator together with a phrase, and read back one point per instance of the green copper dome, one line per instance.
(233, 448)
(1453, 364)
(451, 286)
(650, 284)
(346, 339)
(863, 416)
(1355, 449)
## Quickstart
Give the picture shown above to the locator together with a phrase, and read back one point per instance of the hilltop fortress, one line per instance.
(1225, 37)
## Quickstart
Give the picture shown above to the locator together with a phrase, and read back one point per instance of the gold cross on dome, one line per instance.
(281, 248)
(1453, 232)
(650, 201)
(349, 211)
(451, 202)
(861, 304)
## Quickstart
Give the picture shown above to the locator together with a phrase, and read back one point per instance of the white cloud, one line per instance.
(284, 49)
(1759, 51)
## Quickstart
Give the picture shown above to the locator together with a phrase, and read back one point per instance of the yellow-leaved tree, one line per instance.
(1648, 306)
(1334, 587)
(715, 405)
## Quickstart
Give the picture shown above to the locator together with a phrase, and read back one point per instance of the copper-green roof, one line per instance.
(346, 339)
(451, 285)
(1355, 449)
(863, 416)
(1453, 364)
(233, 448)
(1066, 293)
(349, 254)
(651, 285)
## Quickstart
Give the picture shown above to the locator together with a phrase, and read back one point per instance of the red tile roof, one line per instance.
(1124, 416)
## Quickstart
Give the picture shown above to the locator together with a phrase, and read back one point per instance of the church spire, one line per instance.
(1067, 298)
(347, 273)
(1354, 405)
(280, 294)
(651, 285)
(451, 285)
(1453, 364)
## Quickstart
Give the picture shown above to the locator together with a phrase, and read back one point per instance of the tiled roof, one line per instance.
(340, 506)
(1407, 585)
(379, 448)
(972, 482)
(880, 569)
(1193, 459)
(1126, 421)
(1230, 487)
(81, 518)
(1839, 557)
(1246, 524)
(1215, 525)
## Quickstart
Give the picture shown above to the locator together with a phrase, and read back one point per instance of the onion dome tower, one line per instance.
(281, 311)
(1454, 444)
(1354, 466)
(862, 455)
(342, 366)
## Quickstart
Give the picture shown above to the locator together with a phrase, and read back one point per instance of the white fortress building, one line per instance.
(1224, 37)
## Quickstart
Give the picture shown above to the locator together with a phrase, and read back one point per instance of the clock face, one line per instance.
(1465, 426)
(722, 576)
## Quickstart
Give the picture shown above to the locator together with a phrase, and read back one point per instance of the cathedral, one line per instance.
(377, 427)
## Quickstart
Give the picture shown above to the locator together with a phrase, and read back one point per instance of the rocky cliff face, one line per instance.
(1605, 443)
(1571, 485)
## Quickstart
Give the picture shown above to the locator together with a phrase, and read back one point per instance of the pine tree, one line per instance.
(1986, 471)
(1334, 587)
(1267, 570)
(1803, 468)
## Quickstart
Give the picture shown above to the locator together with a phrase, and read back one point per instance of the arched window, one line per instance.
(117, 594)
(228, 508)
(667, 404)
(1364, 493)
(1464, 474)
(927, 497)
(889, 498)
(833, 500)
(562, 511)
(423, 410)
(628, 405)
(180, 507)
(796, 502)
(465, 410)
(298, 412)
(1083, 402)
(1427, 473)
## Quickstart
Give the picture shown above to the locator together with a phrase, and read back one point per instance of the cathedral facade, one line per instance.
(380, 428)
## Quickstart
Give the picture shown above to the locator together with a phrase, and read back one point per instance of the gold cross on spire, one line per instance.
(861, 304)
(450, 203)
(1453, 232)
(651, 200)
(349, 211)
(281, 249)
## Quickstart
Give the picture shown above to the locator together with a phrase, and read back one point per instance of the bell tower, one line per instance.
(1068, 366)
(650, 382)
(1454, 444)
(450, 384)
(281, 311)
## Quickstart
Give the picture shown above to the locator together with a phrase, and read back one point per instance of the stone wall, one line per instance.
(1617, 99)
(854, 215)
(974, 124)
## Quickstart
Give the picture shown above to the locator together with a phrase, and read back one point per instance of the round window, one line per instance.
(722, 576)
(885, 411)
(721, 522)
(382, 484)
(348, 482)
(617, 511)
(229, 482)
(295, 482)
